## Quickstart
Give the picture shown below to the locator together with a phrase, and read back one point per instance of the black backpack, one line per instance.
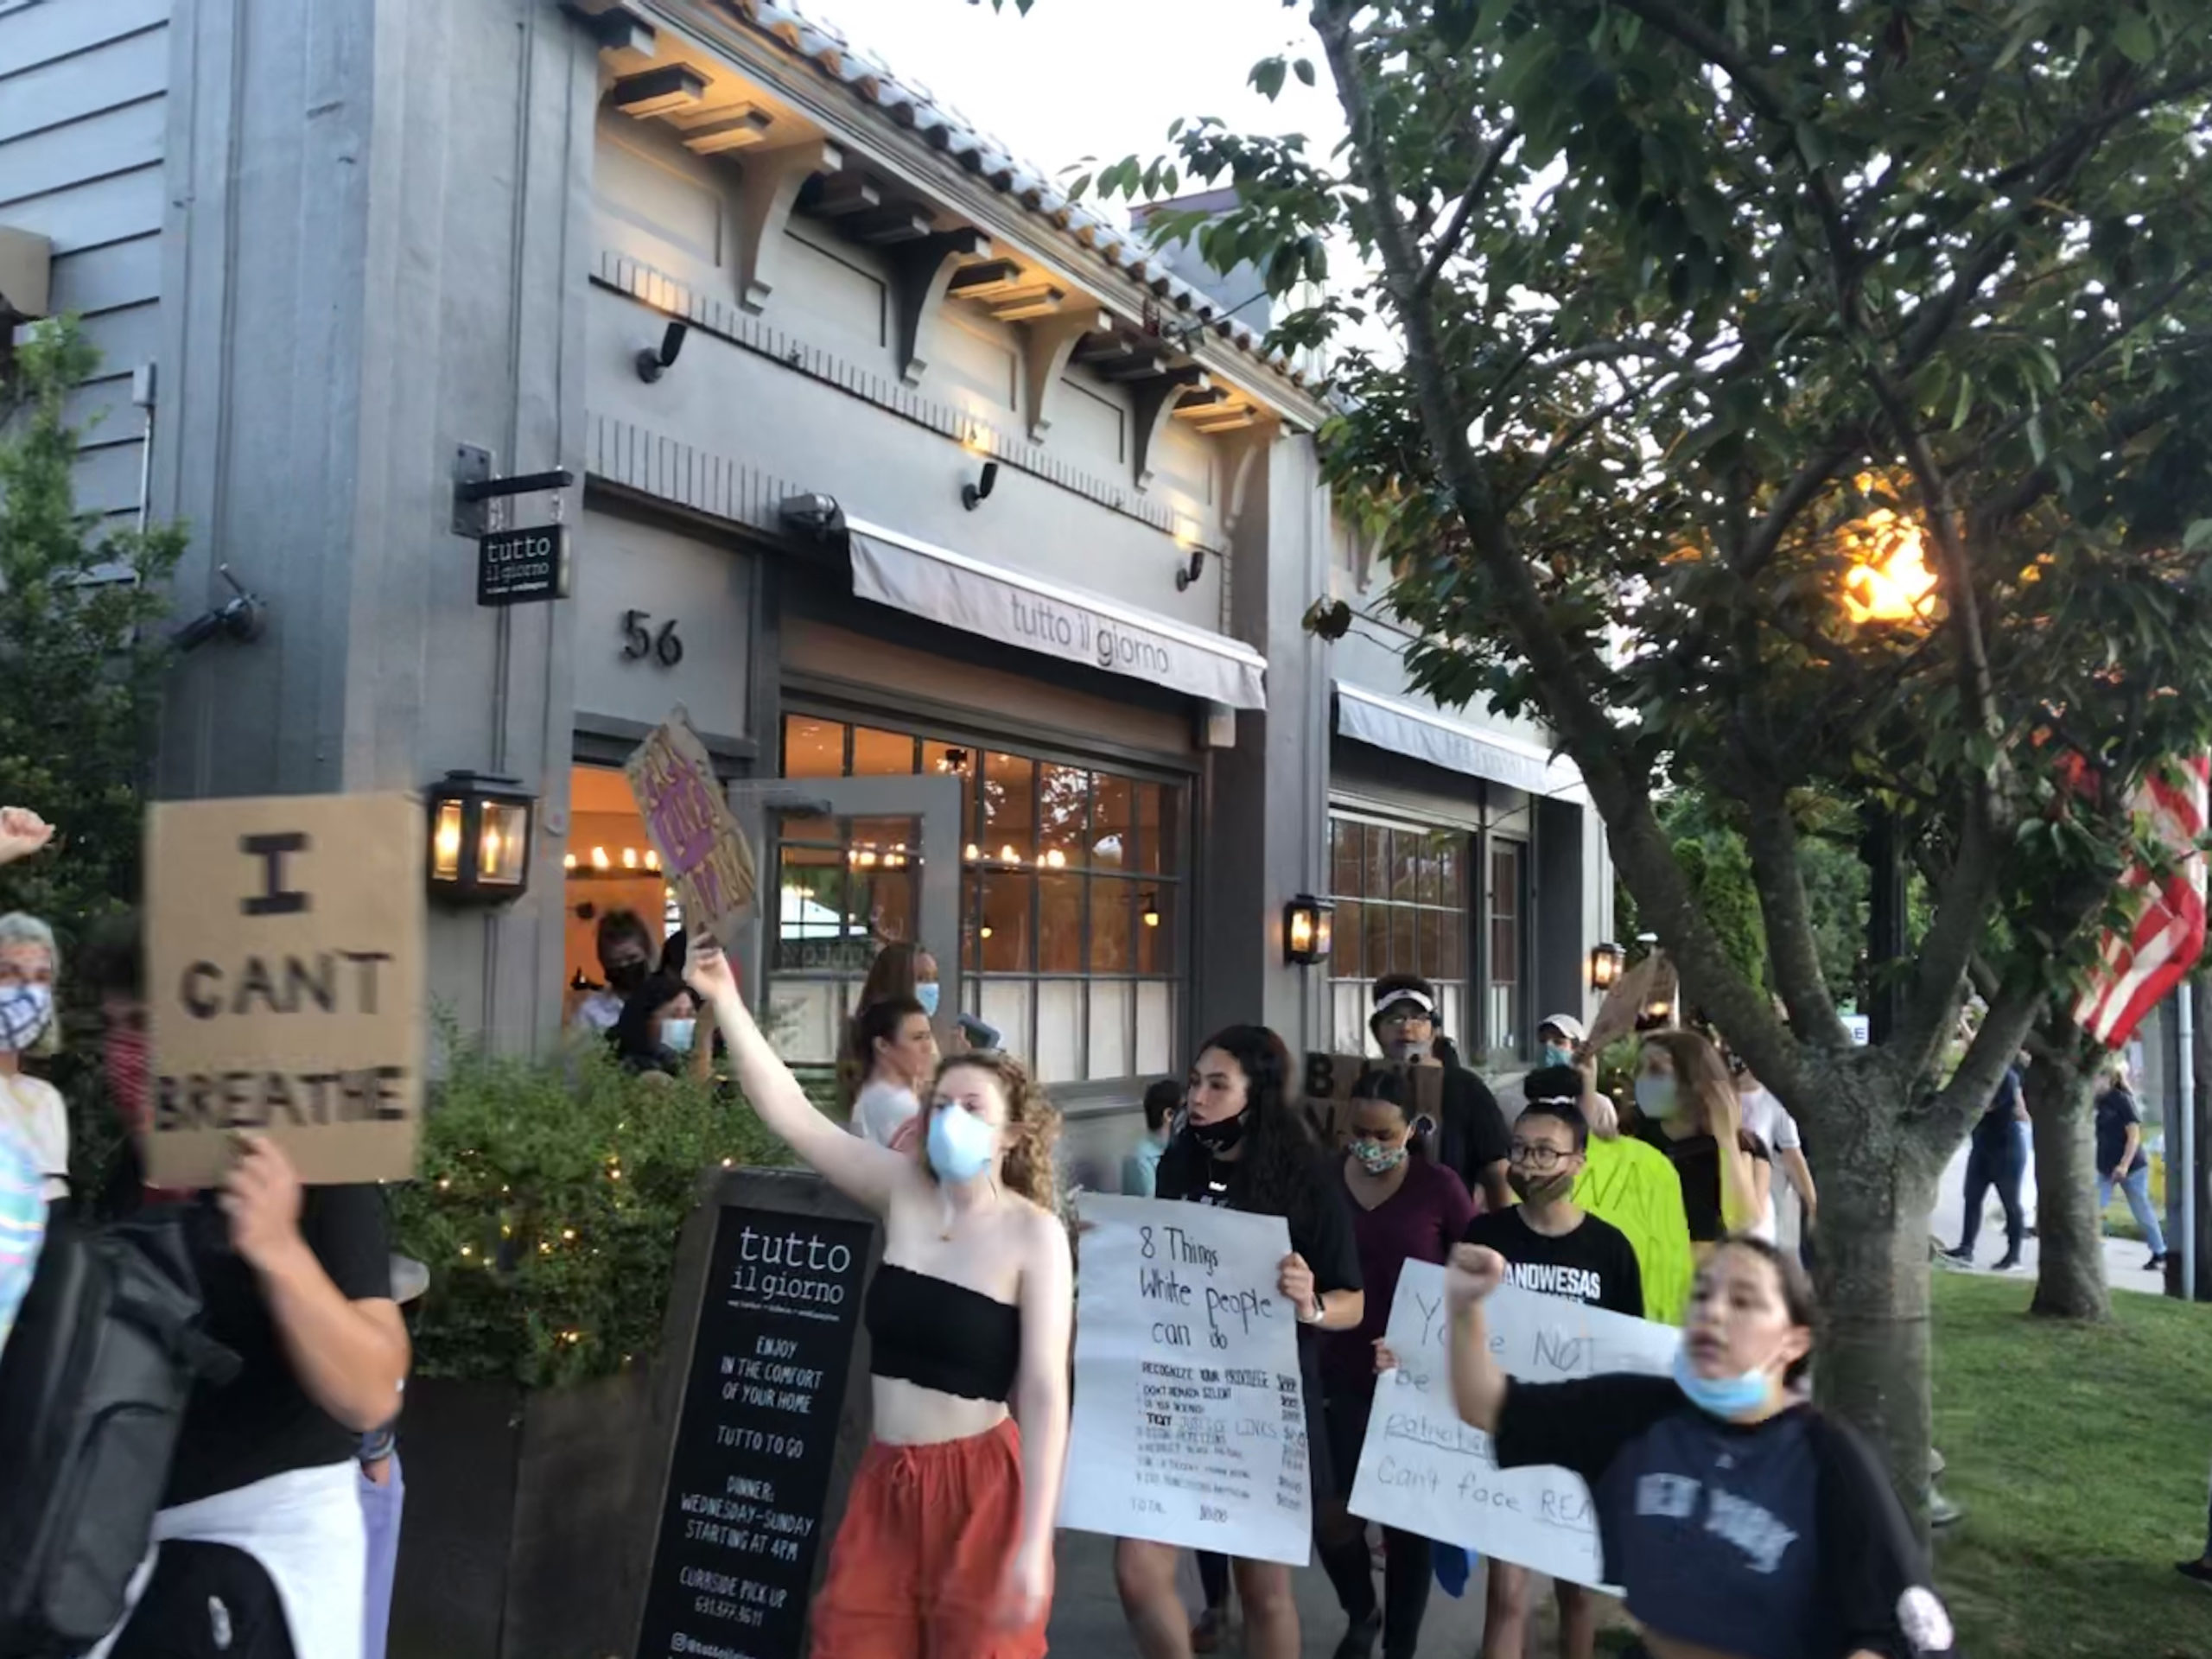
(93, 1382)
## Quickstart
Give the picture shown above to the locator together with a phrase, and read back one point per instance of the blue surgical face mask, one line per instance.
(962, 1145)
(1725, 1397)
(677, 1034)
(1655, 1097)
(1555, 1055)
(925, 994)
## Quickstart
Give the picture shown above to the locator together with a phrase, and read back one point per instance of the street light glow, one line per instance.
(1889, 580)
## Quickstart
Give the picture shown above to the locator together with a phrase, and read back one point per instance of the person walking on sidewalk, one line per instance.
(1405, 1207)
(2122, 1160)
(1243, 1147)
(1740, 1521)
(1998, 1156)
(946, 1546)
(1554, 1248)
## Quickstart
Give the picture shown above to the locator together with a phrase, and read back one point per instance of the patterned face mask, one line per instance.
(1377, 1158)
(25, 1012)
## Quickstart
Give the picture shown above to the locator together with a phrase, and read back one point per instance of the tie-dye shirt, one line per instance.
(23, 1221)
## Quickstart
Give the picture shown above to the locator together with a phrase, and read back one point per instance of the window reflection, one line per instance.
(1071, 898)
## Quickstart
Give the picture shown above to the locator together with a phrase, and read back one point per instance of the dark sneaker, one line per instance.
(1209, 1632)
(2200, 1570)
(2007, 1265)
(1359, 1640)
(2157, 1263)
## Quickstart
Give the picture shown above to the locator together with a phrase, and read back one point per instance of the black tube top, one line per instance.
(939, 1335)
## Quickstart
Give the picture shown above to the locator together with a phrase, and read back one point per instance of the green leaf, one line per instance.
(1303, 69)
(2198, 537)
(2133, 36)
(1966, 401)
(1267, 76)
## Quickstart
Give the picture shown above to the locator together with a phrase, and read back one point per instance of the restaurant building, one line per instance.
(973, 535)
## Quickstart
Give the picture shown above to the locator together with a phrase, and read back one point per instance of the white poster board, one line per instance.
(1190, 1416)
(1424, 1470)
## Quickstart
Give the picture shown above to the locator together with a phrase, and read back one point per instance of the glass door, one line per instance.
(850, 865)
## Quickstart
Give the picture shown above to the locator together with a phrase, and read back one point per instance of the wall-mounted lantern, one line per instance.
(1606, 961)
(1306, 925)
(479, 838)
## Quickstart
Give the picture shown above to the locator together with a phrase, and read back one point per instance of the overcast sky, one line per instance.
(1097, 77)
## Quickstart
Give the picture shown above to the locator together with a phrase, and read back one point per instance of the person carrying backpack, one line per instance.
(23, 1184)
(260, 1551)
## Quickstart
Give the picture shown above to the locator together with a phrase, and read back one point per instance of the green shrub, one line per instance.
(551, 1196)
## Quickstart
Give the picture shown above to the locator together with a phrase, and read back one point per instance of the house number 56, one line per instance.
(640, 640)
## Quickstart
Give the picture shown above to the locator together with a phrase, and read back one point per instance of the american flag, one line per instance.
(2136, 970)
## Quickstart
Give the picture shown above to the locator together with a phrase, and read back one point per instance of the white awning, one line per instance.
(1076, 626)
(1424, 734)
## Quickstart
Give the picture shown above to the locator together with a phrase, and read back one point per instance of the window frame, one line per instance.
(1175, 885)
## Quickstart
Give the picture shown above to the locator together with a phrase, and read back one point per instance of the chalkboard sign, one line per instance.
(773, 1412)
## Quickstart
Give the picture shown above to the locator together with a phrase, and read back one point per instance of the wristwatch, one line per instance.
(1321, 1309)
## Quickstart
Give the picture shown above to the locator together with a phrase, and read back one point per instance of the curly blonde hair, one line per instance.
(1033, 1126)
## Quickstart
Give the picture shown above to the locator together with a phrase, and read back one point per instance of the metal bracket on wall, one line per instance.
(471, 465)
(474, 489)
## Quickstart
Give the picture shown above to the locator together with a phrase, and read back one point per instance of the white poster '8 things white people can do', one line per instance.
(1190, 1416)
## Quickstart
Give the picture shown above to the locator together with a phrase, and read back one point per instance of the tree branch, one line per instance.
(1447, 243)
(1564, 681)
(1948, 952)
(1792, 950)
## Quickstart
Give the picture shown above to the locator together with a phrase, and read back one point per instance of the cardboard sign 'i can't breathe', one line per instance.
(284, 964)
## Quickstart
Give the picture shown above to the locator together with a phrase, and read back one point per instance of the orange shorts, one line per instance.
(928, 1533)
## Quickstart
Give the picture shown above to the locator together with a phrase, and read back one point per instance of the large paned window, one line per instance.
(1441, 901)
(1073, 892)
(1402, 899)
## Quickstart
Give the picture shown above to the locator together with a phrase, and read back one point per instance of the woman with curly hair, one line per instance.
(946, 1546)
(1243, 1147)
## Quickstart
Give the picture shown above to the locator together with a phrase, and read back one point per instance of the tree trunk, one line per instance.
(1871, 1366)
(2069, 1236)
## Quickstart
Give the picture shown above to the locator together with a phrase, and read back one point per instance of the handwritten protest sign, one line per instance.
(703, 853)
(1424, 1470)
(1632, 1184)
(284, 961)
(1190, 1416)
(1327, 1092)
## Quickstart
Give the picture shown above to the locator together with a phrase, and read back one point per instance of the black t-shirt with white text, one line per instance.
(261, 1422)
(1780, 1539)
(1320, 1232)
(1595, 1263)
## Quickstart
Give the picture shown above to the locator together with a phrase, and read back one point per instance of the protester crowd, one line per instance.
(1738, 1519)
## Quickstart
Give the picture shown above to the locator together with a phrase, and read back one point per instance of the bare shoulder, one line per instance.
(1043, 1233)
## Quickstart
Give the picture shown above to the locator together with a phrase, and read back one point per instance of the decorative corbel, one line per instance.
(1155, 406)
(1048, 348)
(769, 186)
(1244, 454)
(921, 272)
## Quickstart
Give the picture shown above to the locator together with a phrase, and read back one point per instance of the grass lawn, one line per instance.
(2081, 1456)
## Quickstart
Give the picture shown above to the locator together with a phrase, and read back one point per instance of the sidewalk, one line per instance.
(1087, 1614)
(2124, 1257)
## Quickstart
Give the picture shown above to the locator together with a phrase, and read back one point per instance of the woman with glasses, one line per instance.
(1404, 1208)
(1551, 1245)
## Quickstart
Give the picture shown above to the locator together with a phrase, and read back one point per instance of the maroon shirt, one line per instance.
(1421, 1222)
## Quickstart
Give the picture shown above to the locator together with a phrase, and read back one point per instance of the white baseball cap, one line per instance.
(1565, 1024)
